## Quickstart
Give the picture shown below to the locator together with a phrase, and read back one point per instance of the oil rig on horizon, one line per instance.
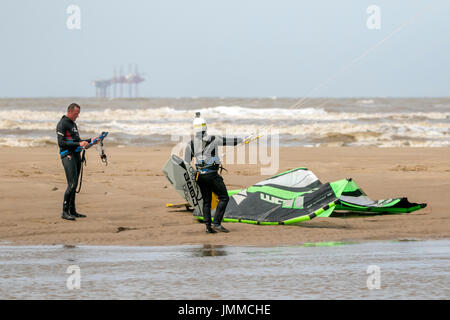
(132, 79)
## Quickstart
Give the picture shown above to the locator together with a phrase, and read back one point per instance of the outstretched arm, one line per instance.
(228, 141)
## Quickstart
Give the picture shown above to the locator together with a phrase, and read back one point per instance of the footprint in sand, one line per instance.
(418, 167)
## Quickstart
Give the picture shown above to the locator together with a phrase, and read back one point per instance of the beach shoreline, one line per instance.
(125, 201)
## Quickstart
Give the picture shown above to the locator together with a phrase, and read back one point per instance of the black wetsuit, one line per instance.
(209, 180)
(68, 141)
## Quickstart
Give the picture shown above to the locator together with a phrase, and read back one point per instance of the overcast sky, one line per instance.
(232, 48)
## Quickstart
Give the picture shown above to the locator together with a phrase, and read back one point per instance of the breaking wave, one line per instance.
(28, 127)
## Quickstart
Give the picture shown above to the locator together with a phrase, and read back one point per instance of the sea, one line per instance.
(309, 122)
(389, 270)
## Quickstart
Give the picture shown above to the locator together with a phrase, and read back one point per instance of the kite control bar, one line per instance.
(83, 159)
(80, 148)
(100, 138)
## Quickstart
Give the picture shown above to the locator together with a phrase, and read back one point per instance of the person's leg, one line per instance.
(70, 169)
(219, 188)
(73, 210)
(205, 188)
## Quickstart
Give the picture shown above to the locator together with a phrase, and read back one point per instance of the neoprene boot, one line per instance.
(209, 229)
(220, 228)
(66, 215)
(74, 212)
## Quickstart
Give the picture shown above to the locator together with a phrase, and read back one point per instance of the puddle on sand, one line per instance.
(322, 270)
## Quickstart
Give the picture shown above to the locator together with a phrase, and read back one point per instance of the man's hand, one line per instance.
(84, 144)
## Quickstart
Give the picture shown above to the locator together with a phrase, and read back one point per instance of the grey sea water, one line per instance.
(383, 122)
(371, 270)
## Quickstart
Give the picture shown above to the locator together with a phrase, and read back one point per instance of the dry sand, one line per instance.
(125, 201)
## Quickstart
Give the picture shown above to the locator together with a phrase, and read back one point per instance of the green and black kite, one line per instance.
(289, 197)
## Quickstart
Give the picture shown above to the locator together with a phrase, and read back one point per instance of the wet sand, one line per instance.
(409, 270)
(125, 201)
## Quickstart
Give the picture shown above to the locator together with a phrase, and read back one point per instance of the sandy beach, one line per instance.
(125, 201)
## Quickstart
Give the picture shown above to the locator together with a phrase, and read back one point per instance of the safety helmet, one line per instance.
(199, 124)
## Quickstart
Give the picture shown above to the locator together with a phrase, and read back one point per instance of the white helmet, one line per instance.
(199, 124)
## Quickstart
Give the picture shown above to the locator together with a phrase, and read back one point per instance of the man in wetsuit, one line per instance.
(204, 149)
(68, 141)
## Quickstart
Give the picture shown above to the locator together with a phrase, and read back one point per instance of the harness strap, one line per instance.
(221, 169)
(83, 161)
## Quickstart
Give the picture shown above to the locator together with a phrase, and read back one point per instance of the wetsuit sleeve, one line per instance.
(63, 142)
(227, 141)
(188, 155)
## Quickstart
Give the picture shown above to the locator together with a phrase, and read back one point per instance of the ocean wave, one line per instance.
(328, 140)
(219, 113)
(422, 128)
(365, 102)
(165, 113)
(305, 126)
(27, 142)
(343, 133)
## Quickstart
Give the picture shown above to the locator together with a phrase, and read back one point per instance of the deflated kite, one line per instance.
(289, 197)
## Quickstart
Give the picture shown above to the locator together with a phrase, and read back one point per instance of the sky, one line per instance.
(233, 48)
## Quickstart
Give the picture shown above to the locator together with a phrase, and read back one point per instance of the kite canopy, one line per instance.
(298, 195)
(353, 198)
(289, 197)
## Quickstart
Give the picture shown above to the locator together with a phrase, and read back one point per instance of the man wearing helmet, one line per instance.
(204, 148)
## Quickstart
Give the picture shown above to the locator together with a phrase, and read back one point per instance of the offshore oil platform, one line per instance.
(132, 79)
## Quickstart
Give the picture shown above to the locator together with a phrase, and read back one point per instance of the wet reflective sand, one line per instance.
(328, 270)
